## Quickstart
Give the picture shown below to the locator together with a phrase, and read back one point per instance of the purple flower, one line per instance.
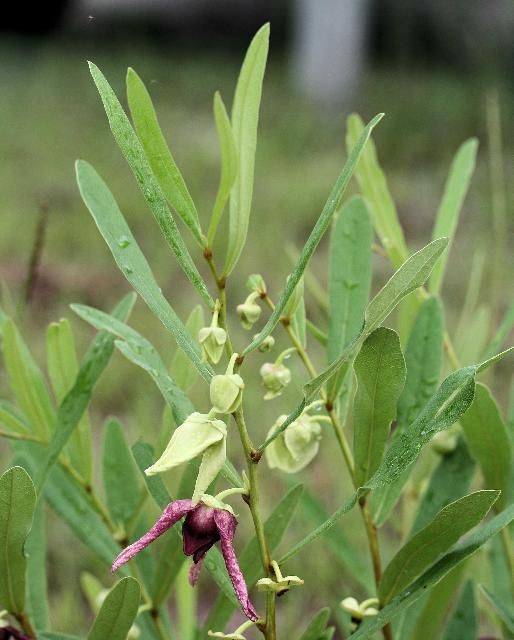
(203, 526)
(8, 633)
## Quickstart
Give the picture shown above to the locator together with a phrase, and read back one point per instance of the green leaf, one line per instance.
(131, 260)
(120, 474)
(249, 559)
(299, 323)
(11, 419)
(50, 635)
(373, 185)
(316, 234)
(317, 625)
(423, 357)
(500, 608)
(17, 505)
(462, 551)
(181, 369)
(118, 611)
(245, 116)
(503, 331)
(426, 546)
(411, 275)
(449, 481)
(62, 369)
(134, 154)
(380, 371)
(159, 155)
(455, 191)
(229, 164)
(349, 280)
(27, 382)
(140, 351)
(78, 398)
(35, 549)
(463, 623)
(489, 442)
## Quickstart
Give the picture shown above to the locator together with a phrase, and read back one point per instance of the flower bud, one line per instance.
(275, 378)
(296, 447)
(267, 344)
(213, 341)
(360, 610)
(281, 584)
(256, 284)
(249, 312)
(444, 442)
(226, 390)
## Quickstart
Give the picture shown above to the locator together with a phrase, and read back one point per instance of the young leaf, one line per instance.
(249, 559)
(466, 548)
(62, 369)
(380, 371)
(134, 154)
(118, 611)
(181, 369)
(131, 260)
(27, 382)
(426, 546)
(317, 625)
(411, 275)
(77, 399)
(245, 116)
(316, 234)
(229, 165)
(159, 155)
(463, 623)
(120, 474)
(423, 357)
(455, 191)
(489, 442)
(449, 481)
(349, 280)
(17, 504)
(373, 185)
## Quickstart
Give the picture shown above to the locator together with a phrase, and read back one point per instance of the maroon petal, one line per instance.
(171, 514)
(199, 532)
(226, 524)
(194, 571)
(6, 633)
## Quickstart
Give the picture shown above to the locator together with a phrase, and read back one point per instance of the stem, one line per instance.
(230, 492)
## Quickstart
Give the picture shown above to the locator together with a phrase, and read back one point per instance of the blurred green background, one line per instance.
(50, 114)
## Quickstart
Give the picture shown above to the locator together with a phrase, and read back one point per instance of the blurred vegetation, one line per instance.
(50, 115)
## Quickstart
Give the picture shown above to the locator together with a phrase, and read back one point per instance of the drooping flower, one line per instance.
(249, 311)
(205, 524)
(198, 435)
(213, 338)
(267, 344)
(226, 390)
(295, 447)
(275, 378)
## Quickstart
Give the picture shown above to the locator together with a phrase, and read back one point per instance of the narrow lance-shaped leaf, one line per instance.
(77, 399)
(465, 549)
(411, 275)
(120, 474)
(502, 610)
(503, 331)
(11, 419)
(426, 546)
(331, 205)
(135, 156)
(373, 185)
(181, 368)
(27, 382)
(228, 161)
(245, 116)
(455, 191)
(463, 622)
(450, 402)
(489, 442)
(37, 589)
(423, 357)
(130, 259)
(17, 504)
(118, 611)
(159, 156)
(317, 625)
(62, 369)
(380, 371)
(349, 279)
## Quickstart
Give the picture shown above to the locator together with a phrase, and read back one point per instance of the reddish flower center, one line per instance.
(200, 532)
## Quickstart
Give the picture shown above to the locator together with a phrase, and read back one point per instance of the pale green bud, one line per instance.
(249, 312)
(226, 392)
(444, 442)
(275, 378)
(267, 344)
(213, 341)
(256, 283)
(192, 438)
(297, 446)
